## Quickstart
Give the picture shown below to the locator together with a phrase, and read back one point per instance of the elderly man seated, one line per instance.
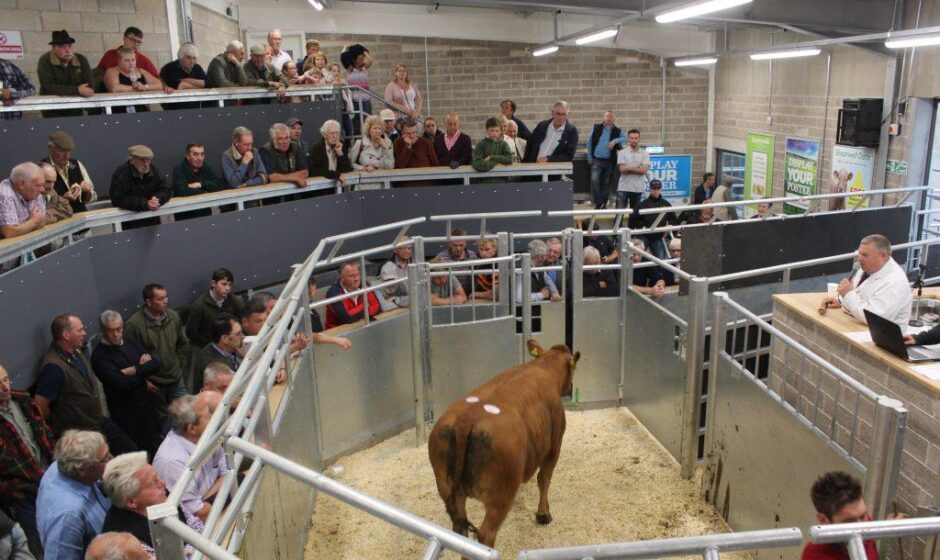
(217, 377)
(445, 289)
(124, 367)
(57, 207)
(73, 182)
(139, 186)
(242, 165)
(598, 283)
(71, 506)
(285, 160)
(543, 288)
(647, 280)
(327, 158)
(189, 416)
(351, 309)
(133, 486)
(397, 268)
(226, 70)
(184, 73)
(456, 252)
(262, 73)
(879, 285)
(116, 546)
(22, 207)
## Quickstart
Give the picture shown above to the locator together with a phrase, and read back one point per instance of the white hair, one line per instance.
(560, 103)
(538, 248)
(187, 49)
(239, 132)
(182, 413)
(212, 372)
(278, 128)
(591, 255)
(77, 450)
(120, 480)
(329, 124)
(234, 46)
(112, 546)
(25, 171)
(109, 315)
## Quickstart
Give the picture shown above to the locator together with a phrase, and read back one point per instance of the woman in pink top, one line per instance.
(400, 93)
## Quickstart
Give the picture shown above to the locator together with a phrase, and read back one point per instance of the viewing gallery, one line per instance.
(518, 279)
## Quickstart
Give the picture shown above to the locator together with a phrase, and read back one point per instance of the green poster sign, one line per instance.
(759, 166)
(799, 172)
(897, 167)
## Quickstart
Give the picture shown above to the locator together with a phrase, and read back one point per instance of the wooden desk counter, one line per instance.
(837, 323)
(797, 316)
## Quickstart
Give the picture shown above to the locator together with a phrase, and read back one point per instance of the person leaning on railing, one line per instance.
(283, 159)
(64, 72)
(262, 74)
(72, 181)
(492, 150)
(184, 74)
(373, 151)
(396, 268)
(139, 186)
(241, 163)
(598, 283)
(14, 85)
(225, 70)
(126, 77)
(327, 157)
(57, 207)
(351, 309)
(193, 175)
(485, 284)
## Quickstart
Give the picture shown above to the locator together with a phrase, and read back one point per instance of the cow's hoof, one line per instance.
(543, 518)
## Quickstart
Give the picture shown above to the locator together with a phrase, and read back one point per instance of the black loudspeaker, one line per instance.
(860, 122)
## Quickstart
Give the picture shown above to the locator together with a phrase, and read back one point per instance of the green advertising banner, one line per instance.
(799, 172)
(759, 166)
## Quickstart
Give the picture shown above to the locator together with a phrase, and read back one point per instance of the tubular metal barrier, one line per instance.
(854, 534)
(857, 430)
(708, 547)
(651, 354)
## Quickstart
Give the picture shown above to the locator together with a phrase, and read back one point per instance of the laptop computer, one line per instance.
(887, 334)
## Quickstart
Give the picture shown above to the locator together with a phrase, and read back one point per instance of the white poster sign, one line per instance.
(852, 171)
(11, 45)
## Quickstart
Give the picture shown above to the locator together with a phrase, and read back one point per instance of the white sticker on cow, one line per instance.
(473, 400)
(492, 409)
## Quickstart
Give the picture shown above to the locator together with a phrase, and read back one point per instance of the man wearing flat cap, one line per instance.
(138, 185)
(72, 181)
(262, 74)
(62, 71)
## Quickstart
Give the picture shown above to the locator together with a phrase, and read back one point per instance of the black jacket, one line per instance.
(928, 337)
(523, 131)
(124, 392)
(638, 221)
(318, 164)
(130, 192)
(563, 152)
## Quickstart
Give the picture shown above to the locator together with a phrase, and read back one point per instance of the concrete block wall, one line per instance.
(96, 25)
(920, 462)
(472, 77)
(211, 32)
(794, 98)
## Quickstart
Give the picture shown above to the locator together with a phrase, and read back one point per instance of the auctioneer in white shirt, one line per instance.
(886, 292)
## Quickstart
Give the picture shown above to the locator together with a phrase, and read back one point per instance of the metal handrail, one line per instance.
(806, 352)
(398, 517)
(811, 262)
(872, 530)
(108, 100)
(707, 546)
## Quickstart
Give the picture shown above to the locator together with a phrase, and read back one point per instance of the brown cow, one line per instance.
(488, 443)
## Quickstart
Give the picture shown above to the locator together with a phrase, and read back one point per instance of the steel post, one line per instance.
(503, 249)
(719, 341)
(526, 303)
(884, 458)
(626, 280)
(419, 298)
(166, 542)
(695, 350)
(577, 265)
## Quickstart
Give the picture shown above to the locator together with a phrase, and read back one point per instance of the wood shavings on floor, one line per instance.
(613, 483)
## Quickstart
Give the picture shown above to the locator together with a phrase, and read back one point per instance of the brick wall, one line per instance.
(97, 25)
(211, 32)
(471, 77)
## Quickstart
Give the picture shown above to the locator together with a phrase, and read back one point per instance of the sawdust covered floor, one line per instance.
(613, 483)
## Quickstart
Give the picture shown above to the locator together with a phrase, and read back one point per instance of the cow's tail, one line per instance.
(462, 431)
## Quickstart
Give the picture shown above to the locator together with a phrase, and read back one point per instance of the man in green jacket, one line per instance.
(194, 176)
(62, 71)
(210, 304)
(262, 74)
(492, 149)
(160, 330)
(225, 70)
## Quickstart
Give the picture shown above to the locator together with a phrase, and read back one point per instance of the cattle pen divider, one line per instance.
(287, 467)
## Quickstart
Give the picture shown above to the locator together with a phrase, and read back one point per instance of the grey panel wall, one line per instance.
(258, 244)
(102, 140)
(761, 461)
(737, 246)
(597, 336)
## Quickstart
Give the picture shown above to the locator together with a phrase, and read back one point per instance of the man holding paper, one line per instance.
(877, 284)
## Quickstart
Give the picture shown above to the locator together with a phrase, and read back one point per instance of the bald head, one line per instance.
(115, 546)
(211, 399)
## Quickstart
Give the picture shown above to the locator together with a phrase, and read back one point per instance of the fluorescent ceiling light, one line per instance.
(316, 5)
(791, 53)
(545, 50)
(698, 9)
(916, 41)
(594, 37)
(695, 61)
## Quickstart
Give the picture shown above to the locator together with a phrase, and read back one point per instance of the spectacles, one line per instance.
(135, 40)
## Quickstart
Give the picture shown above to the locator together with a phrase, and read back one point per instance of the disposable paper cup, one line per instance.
(832, 289)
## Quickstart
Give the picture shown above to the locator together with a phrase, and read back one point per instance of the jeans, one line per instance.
(656, 245)
(631, 199)
(601, 174)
